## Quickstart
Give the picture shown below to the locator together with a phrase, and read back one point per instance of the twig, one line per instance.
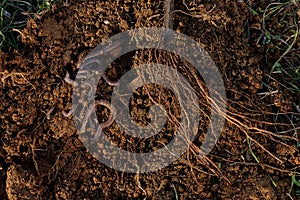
(33, 157)
(168, 19)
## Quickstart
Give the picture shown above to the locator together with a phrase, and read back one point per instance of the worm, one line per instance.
(111, 118)
(49, 113)
(88, 74)
(69, 80)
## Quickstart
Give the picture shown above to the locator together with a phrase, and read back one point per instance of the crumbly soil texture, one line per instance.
(42, 157)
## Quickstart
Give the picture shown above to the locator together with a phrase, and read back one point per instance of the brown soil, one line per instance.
(41, 156)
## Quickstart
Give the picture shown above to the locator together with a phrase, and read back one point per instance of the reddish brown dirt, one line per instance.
(41, 156)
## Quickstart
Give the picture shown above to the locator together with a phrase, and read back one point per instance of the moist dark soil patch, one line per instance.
(41, 156)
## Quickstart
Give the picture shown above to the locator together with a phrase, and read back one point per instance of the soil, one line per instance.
(41, 156)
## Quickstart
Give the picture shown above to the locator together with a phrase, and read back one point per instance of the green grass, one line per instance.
(13, 17)
(281, 38)
(295, 183)
(251, 152)
(279, 34)
(175, 191)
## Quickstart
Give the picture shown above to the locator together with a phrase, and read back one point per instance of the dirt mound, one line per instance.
(41, 156)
